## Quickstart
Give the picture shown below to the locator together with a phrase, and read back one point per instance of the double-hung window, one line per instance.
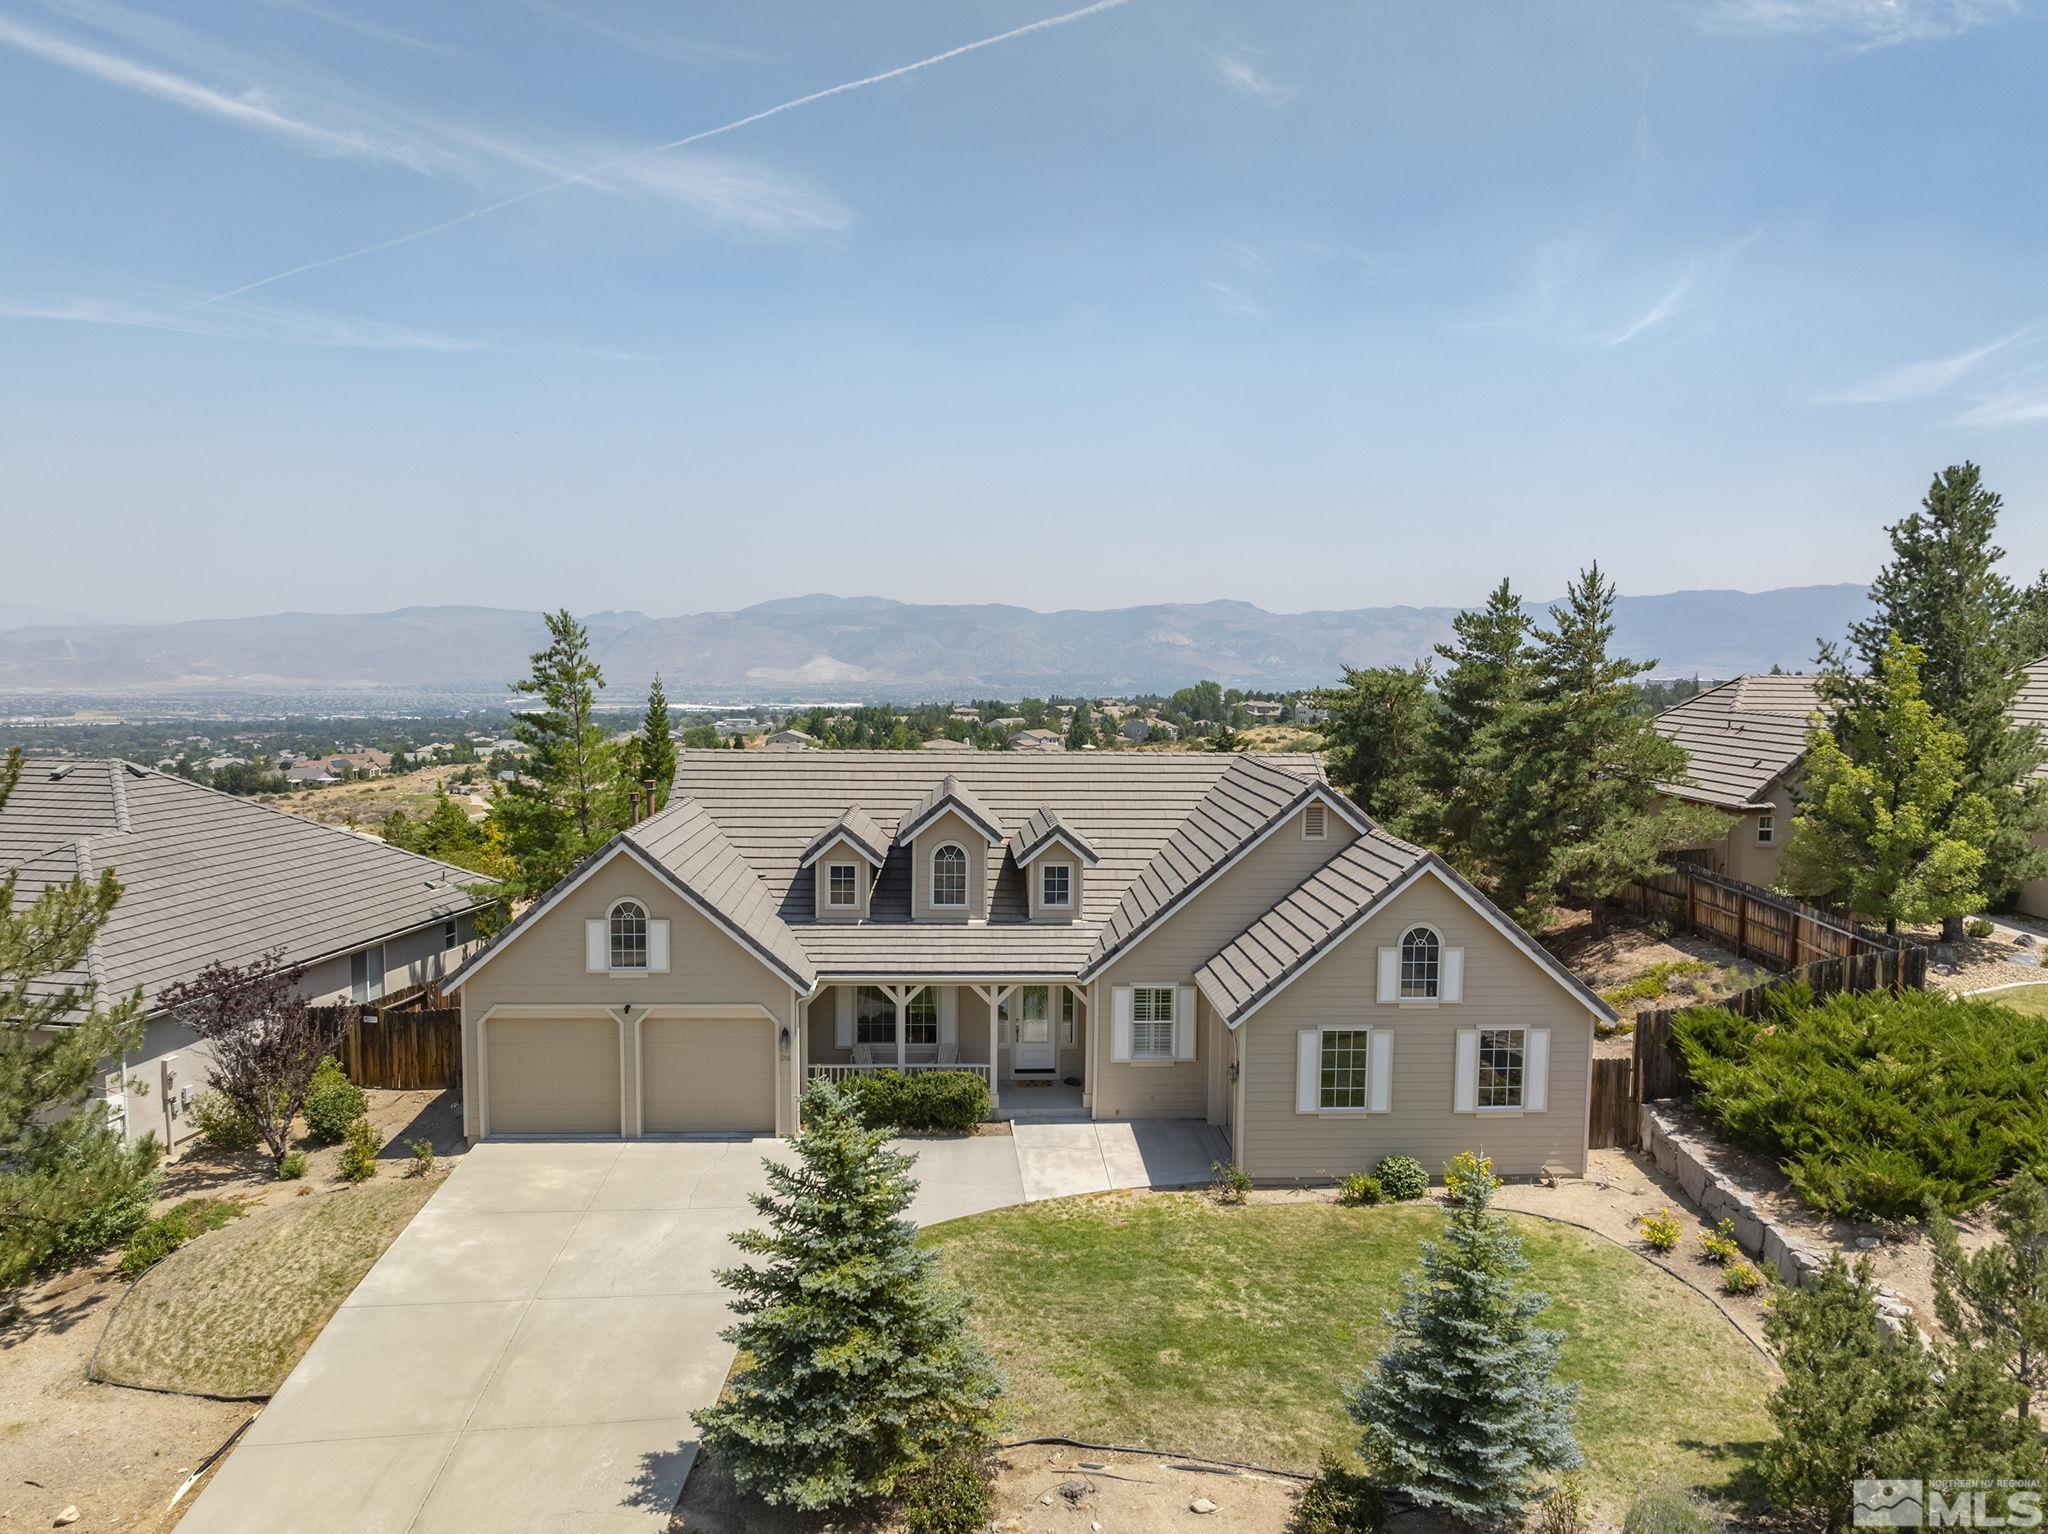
(1501, 1055)
(841, 890)
(1152, 1022)
(1766, 830)
(1056, 886)
(1342, 1070)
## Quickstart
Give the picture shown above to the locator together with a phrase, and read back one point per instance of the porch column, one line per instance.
(1085, 1038)
(899, 995)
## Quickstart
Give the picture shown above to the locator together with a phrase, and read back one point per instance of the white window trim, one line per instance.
(1322, 1030)
(853, 902)
(1516, 1110)
(1045, 872)
(1766, 831)
(647, 925)
(1172, 1017)
(1317, 813)
(966, 878)
(1442, 948)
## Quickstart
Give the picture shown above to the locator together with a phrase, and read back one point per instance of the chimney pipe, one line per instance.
(650, 786)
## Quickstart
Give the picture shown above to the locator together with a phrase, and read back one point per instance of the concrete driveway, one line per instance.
(527, 1354)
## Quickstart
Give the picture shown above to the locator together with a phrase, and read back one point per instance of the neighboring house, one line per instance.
(731, 727)
(364, 764)
(2031, 707)
(947, 743)
(1163, 729)
(1308, 714)
(216, 763)
(1743, 739)
(1263, 710)
(790, 738)
(1136, 730)
(1199, 936)
(1037, 740)
(965, 716)
(309, 772)
(206, 876)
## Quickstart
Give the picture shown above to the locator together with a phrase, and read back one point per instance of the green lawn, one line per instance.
(2030, 998)
(1172, 1322)
(230, 1313)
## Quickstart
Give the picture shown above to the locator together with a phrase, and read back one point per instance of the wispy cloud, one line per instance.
(253, 109)
(595, 174)
(343, 21)
(1677, 298)
(735, 191)
(670, 46)
(1861, 23)
(1918, 380)
(1239, 73)
(2011, 405)
(244, 322)
(1558, 265)
(1231, 301)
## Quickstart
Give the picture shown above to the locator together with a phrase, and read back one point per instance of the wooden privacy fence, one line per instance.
(1612, 1121)
(1752, 922)
(407, 1050)
(1656, 1073)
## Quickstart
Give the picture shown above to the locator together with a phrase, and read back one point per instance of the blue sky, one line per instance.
(1314, 305)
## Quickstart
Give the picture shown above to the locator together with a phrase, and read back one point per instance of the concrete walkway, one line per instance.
(527, 1354)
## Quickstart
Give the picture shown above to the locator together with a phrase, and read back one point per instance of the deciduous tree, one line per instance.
(61, 1161)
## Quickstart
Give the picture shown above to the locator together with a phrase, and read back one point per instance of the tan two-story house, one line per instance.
(1111, 936)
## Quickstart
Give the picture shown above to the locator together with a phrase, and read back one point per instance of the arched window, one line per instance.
(949, 876)
(1421, 963)
(629, 935)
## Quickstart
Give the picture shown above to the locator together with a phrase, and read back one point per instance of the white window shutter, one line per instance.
(949, 1015)
(657, 946)
(1451, 982)
(1465, 1094)
(1536, 1071)
(842, 1023)
(1390, 974)
(1184, 1022)
(1308, 1070)
(1379, 1075)
(1120, 1024)
(597, 946)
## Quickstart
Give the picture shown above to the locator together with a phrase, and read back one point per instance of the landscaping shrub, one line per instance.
(955, 1494)
(359, 1153)
(1669, 1509)
(156, 1239)
(1339, 1500)
(1978, 927)
(1875, 1104)
(105, 1224)
(1564, 1510)
(1229, 1182)
(292, 1168)
(333, 1103)
(1719, 1245)
(1660, 1231)
(1361, 1188)
(919, 1102)
(221, 1124)
(1741, 1278)
(1402, 1178)
(1654, 982)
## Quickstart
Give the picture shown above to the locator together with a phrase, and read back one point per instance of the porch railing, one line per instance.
(842, 1072)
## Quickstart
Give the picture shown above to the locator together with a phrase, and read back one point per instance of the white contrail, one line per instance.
(592, 172)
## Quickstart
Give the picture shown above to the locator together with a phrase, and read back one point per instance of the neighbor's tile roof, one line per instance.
(207, 876)
(1740, 737)
(2031, 706)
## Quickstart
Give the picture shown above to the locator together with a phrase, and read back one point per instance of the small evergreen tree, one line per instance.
(1081, 732)
(1885, 825)
(657, 745)
(1379, 733)
(1462, 1412)
(860, 1367)
(566, 802)
(61, 1162)
(1484, 686)
(1943, 592)
(1995, 1300)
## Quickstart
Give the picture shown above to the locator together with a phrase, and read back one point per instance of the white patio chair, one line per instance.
(949, 1054)
(863, 1054)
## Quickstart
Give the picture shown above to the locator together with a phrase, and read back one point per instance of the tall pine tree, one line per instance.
(1480, 695)
(1378, 736)
(64, 1170)
(1943, 591)
(1886, 825)
(566, 801)
(1463, 1413)
(657, 744)
(860, 1368)
(1579, 814)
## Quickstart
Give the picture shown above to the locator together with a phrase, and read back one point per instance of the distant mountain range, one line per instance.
(824, 647)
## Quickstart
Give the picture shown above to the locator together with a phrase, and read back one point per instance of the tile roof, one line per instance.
(207, 876)
(859, 828)
(949, 793)
(1040, 830)
(1740, 737)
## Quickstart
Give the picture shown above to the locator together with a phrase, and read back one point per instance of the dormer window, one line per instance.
(629, 935)
(1056, 886)
(949, 876)
(843, 889)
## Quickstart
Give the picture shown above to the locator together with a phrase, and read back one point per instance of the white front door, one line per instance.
(1034, 1049)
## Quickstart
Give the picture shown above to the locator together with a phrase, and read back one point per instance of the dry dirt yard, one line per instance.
(1636, 969)
(363, 804)
(2011, 955)
(118, 1454)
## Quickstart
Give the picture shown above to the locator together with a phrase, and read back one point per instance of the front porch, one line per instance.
(1027, 1039)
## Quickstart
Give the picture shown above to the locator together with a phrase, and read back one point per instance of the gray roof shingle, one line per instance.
(206, 876)
(1739, 737)
(859, 828)
(1040, 830)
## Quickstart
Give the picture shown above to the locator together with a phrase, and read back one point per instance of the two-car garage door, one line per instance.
(560, 1075)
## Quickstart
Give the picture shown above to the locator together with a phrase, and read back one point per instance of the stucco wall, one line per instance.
(542, 966)
(1172, 952)
(1502, 987)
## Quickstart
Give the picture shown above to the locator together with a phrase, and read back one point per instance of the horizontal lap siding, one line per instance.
(1182, 944)
(543, 966)
(1503, 987)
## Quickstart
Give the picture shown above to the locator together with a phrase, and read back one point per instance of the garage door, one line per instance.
(552, 1075)
(703, 1074)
